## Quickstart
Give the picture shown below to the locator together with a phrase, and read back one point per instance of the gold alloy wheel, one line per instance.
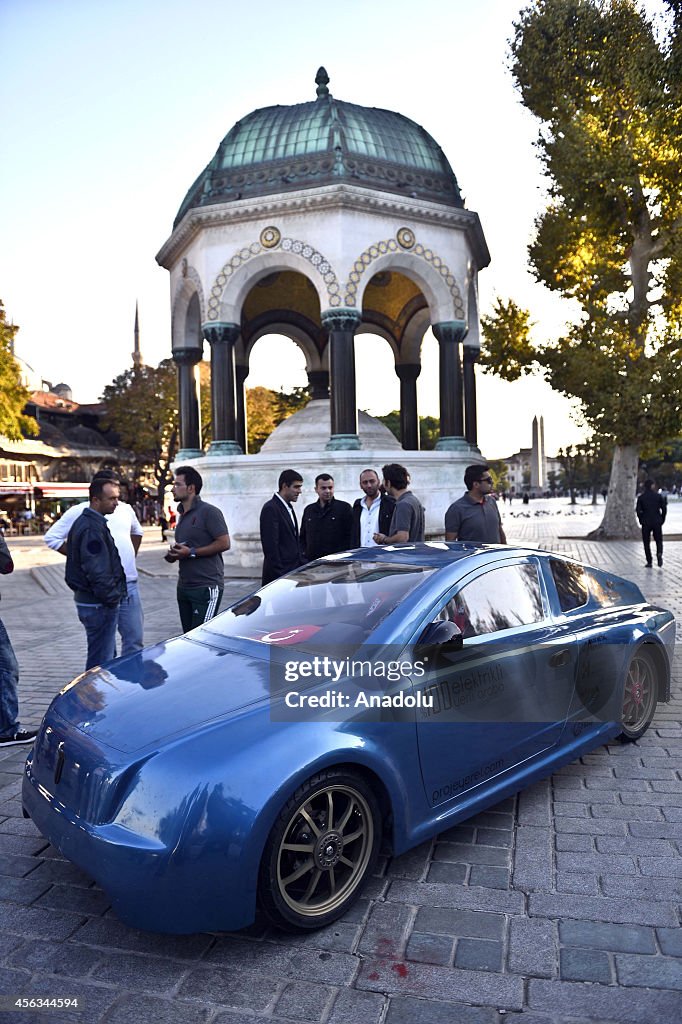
(640, 695)
(325, 850)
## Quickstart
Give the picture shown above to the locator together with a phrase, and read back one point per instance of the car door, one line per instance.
(503, 698)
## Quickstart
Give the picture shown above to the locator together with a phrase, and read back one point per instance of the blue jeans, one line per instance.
(9, 679)
(131, 620)
(100, 629)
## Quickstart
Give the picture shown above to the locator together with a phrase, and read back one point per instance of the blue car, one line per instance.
(373, 697)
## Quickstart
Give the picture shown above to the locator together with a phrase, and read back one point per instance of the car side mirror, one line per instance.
(444, 634)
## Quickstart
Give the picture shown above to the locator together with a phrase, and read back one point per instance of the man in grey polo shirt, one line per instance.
(407, 521)
(475, 516)
(200, 538)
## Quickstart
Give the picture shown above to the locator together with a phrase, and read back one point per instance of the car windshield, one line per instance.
(327, 602)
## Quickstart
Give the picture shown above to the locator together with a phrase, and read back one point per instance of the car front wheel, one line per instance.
(322, 847)
(639, 696)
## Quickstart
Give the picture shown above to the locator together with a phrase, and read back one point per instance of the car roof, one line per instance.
(431, 554)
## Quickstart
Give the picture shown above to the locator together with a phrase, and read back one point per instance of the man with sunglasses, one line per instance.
(475, 516)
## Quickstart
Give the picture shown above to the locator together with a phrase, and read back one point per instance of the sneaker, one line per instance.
(649, 565)
(17, 738)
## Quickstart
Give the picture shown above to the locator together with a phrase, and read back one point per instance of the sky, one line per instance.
(112, 108)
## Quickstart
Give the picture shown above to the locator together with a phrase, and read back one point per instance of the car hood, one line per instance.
(169, 689)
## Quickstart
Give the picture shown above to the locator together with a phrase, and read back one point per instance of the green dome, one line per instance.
(283, 149)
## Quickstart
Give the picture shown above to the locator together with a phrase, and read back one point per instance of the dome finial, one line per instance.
(322, 81)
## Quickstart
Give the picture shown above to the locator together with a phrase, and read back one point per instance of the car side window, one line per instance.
(503, 598)
(571, 584)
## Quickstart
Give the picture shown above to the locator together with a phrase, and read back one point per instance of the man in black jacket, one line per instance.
(371, 514)
(94, 572)
(279, 528)
(10, 732)
(327, 523)
(651, 512)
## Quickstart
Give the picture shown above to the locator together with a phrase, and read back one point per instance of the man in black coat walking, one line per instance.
(279, 534)
(651, 511)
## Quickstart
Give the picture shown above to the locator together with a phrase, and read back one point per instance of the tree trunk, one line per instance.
(619, 522)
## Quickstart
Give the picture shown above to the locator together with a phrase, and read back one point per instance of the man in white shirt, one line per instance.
(371, 514)
(127, 534)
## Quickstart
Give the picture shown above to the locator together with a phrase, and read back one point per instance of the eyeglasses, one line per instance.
(486, 479)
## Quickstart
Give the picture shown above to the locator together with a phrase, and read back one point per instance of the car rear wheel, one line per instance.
(322, 847)
(639, 696)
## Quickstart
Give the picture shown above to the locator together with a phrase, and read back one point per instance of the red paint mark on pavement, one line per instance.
(400, 970)
(374, 976)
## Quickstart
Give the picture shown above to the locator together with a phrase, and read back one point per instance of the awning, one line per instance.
(58, 489)
(6, 489)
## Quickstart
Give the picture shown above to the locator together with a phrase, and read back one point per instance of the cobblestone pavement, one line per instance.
(559, 905)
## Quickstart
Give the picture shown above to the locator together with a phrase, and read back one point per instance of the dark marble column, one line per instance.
(222, 337)
(470, 425)
(449, 334)
(409, 421)
(186, 360)
(241, 373)
(319, 383)
(341, 325)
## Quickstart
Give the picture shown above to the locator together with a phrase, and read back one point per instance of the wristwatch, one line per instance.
(192, 552)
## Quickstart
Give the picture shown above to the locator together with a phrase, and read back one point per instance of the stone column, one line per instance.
(470, 424)
(318, 381)
(409, 421)
(449, 334)
(341, 325)
(241, 373)
(186, 360)
(222, 337)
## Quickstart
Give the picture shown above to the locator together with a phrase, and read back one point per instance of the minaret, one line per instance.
(537, 455)
(137, 355)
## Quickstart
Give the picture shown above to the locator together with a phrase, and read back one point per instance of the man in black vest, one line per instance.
(371, 514)
(279, 528)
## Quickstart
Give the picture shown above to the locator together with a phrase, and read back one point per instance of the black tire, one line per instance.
(640, 695)
(321, 849)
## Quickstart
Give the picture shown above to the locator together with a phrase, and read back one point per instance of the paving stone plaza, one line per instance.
(559, 905)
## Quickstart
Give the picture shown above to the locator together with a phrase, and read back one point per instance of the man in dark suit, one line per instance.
(279, 534)
(371, 514)
(652, 508)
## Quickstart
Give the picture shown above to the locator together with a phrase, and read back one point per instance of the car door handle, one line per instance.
(560, 658)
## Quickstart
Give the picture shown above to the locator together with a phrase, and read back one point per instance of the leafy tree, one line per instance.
(664, 464)
(429, 432)
(292, 401)
(607, 88)
(571, 464)
(261, 416)
(596, 457)
(266, 409)
(142, 408)
(499, 471)
(205, 402)
(552, 481)
(14, 424)
(392, 421)
(429, 428)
